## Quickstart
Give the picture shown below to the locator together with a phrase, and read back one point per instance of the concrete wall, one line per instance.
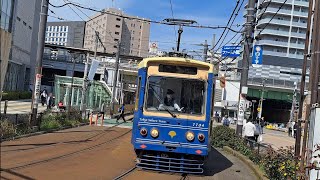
(25, 26)
(5, 50)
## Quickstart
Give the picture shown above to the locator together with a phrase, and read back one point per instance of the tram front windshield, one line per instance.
(176, 95)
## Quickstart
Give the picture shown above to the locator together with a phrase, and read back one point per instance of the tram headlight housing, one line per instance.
(190, 136)
(143, 132)
(201, 137)
(154, 132)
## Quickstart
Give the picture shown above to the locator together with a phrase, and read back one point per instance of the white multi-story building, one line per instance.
(283, 40)
(68, 33)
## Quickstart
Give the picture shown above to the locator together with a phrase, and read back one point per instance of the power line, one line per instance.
(234, 10)
(235, 16)
(142, 19)
(174, 27)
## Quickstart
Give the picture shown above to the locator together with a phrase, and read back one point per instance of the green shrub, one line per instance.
(223, 136)
(280, 164)
(16, 95)
(72, 123)
(7, 129)
(50, 124)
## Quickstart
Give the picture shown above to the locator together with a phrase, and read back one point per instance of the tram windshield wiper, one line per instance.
(164, 107)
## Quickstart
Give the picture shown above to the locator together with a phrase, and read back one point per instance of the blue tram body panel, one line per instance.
(172, 134)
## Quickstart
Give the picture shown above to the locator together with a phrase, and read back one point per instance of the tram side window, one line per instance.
(136, 105)
(175, 94)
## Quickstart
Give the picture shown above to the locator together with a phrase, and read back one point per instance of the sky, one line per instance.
(205, 12)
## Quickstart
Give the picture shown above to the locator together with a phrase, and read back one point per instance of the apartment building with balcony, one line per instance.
(133, 33)
(282, 38)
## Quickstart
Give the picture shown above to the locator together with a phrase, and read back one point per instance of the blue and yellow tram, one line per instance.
(171, 127)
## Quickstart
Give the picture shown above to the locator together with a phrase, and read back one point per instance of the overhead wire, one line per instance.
(142, 19)
(174, 27)
(233, 12)
(234, 18)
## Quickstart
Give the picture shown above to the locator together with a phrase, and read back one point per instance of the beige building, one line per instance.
(132, 33)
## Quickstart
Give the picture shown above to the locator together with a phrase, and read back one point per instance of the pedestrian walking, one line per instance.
(43, 97)
(294, 129)
(257, 131)
(121, 110)
(289, 126)
(226, 121)
(216, 115)
(49, 101)
(262, 123)
(248, 132)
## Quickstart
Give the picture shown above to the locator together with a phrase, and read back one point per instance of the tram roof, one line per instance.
(173, 60)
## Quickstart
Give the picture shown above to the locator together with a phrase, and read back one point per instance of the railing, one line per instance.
(272, 83)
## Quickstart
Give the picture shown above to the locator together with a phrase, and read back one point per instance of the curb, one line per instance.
(42, 132)
(260, 175)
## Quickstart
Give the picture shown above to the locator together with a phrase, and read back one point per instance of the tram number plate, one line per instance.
(198, 125)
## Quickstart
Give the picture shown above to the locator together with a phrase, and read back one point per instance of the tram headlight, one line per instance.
(154, 132)
(190, 136)
(143, 131)
(201, 137)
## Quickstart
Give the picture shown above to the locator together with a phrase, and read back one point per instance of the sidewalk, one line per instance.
(276, 139)
(20, 107)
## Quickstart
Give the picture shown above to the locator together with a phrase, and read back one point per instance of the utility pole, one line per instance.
(205, 51)
(38, 70)
(261, 100)
(84, 87)
(245, 64)
(314, 77)
(115, 77)
(302, 85)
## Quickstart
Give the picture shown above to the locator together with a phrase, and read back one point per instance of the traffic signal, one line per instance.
(222, 81)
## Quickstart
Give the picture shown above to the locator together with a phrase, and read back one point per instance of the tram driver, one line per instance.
(170, 102)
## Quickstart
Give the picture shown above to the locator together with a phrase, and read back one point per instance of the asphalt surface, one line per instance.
(94, 152)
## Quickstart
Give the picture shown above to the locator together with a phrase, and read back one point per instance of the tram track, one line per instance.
(53, 144)
(65, 155)
(125, 173)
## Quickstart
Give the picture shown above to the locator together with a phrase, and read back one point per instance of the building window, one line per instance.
(18, 18)
(116, 39)
(117, 33)
(132, 32)
(114, 46)
(117, 26)
(30, 27)
(64, 39)
(132, 38)
(60, 34)
(140, 27)
(118, 19)
(24, 23)
(65, 29)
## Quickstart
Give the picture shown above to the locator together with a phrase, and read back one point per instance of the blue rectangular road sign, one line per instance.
(257, 54)
(231, 51)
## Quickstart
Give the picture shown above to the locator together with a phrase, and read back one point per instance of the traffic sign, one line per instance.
(257, 54)
(258, 109)
(230, 51)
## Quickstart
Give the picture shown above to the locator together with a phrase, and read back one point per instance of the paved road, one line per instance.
(20, 107)
(274, 138)
(94, 152)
